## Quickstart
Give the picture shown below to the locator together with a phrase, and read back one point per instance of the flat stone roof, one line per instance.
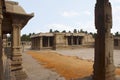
(14, 7)
(52, 34)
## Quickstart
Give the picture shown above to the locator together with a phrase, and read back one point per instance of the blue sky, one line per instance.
(65, 15)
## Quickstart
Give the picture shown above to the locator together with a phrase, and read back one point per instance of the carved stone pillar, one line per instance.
(1, 61)
(103, 65)
(41, 42)
(16, 65)
(48, 41)
(77, 40)
(72, 40)
(33, 44)
(66, 41)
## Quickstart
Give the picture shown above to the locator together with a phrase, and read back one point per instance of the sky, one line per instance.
(65, 15)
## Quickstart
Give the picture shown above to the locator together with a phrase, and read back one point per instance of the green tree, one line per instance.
(75, 31)
(69, 31)
(117, 34)
(26, 37)
(64, 31)
(56, 31)
(81, 31)
(51, 31)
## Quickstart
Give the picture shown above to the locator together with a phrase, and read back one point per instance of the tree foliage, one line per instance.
(51, 31)
(117, 34)
(26, 37)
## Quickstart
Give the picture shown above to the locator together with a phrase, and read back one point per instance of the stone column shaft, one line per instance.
(103, 65)
(33, 43)
(41, 42)
(77, 40)
(16, 57)
(48, 41)
(1, 61)
(66, 39)
(16, 48)
(72, 40)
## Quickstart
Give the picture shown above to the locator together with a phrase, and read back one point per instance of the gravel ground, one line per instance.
(88, 53)
(36, 71)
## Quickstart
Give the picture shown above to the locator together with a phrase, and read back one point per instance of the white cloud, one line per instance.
(60, 27)
(116, 19)
(89, 26)
(117, 1)
(70, 14)
(87, 13)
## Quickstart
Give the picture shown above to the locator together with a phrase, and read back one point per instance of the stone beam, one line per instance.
(103, 64)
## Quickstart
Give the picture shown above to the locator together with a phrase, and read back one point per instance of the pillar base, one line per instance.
(18, 75)
(17, 72)
(108, 74)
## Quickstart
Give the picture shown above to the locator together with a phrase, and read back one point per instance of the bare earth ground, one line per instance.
(67, 63)
(36, 71)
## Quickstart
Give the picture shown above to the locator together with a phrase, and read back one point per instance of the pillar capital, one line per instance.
(16, 25)
(102, 1)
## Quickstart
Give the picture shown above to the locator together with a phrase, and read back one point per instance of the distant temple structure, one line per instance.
(116, 42)
(61, 40)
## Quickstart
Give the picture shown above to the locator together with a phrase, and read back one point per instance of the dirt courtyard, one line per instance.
(70, 67)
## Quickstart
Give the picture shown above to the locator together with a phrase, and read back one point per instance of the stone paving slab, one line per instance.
(36, 71)
(88, 53)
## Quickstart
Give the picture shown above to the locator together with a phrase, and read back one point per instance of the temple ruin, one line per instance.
(61, 40)
(116, 42)
(13, 18)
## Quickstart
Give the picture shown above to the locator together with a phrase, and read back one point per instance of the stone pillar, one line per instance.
(4, 40)
(66, 40)
(103, 64)
(1, 61)
(37, 43)
(33, 43)
(41, 42)
(77, 40)
(16, 57)
(48, 41)
(72, 39)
